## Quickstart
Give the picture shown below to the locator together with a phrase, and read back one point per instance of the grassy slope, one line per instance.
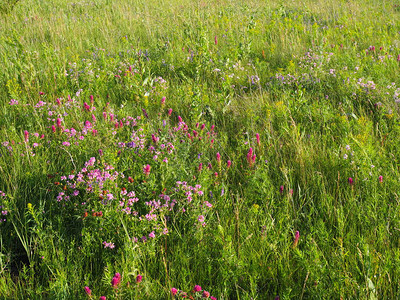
(348, 233)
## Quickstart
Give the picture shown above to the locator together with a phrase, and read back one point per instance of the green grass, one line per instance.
(318, 81)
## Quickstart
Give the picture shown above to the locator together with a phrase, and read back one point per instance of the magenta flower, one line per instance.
(58, 122)
(296, 239)
(381, 178)
(229, 163)
(169, 111)
(197, 288)
(88, 291)
(26, 135)
(162, 100)
(249, 156)
(139, 278)
(91, 98)
(154, 138)
(206, 294)
(116, 280)
(201, 218)
(146, 170)
(258, 138)
(215, 40)
(200, 166)
(218, 157)
(350, 180)
(86, 106)
(281, 189)
(174, 291)
(213, 298)
(102, 298)
(180, 119)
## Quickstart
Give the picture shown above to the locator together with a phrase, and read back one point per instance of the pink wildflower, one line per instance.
(26, 135)
(281, 189)
(249, 155)
(139, 278)
(88, 291)
(197, 288)
(381, 178)
(116, 280)
(174, 291)
(146, 170)
(296, 239)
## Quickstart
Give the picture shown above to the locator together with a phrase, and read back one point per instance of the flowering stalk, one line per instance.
(296, 239)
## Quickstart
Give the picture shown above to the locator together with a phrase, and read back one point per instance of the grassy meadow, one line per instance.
(199, 149)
